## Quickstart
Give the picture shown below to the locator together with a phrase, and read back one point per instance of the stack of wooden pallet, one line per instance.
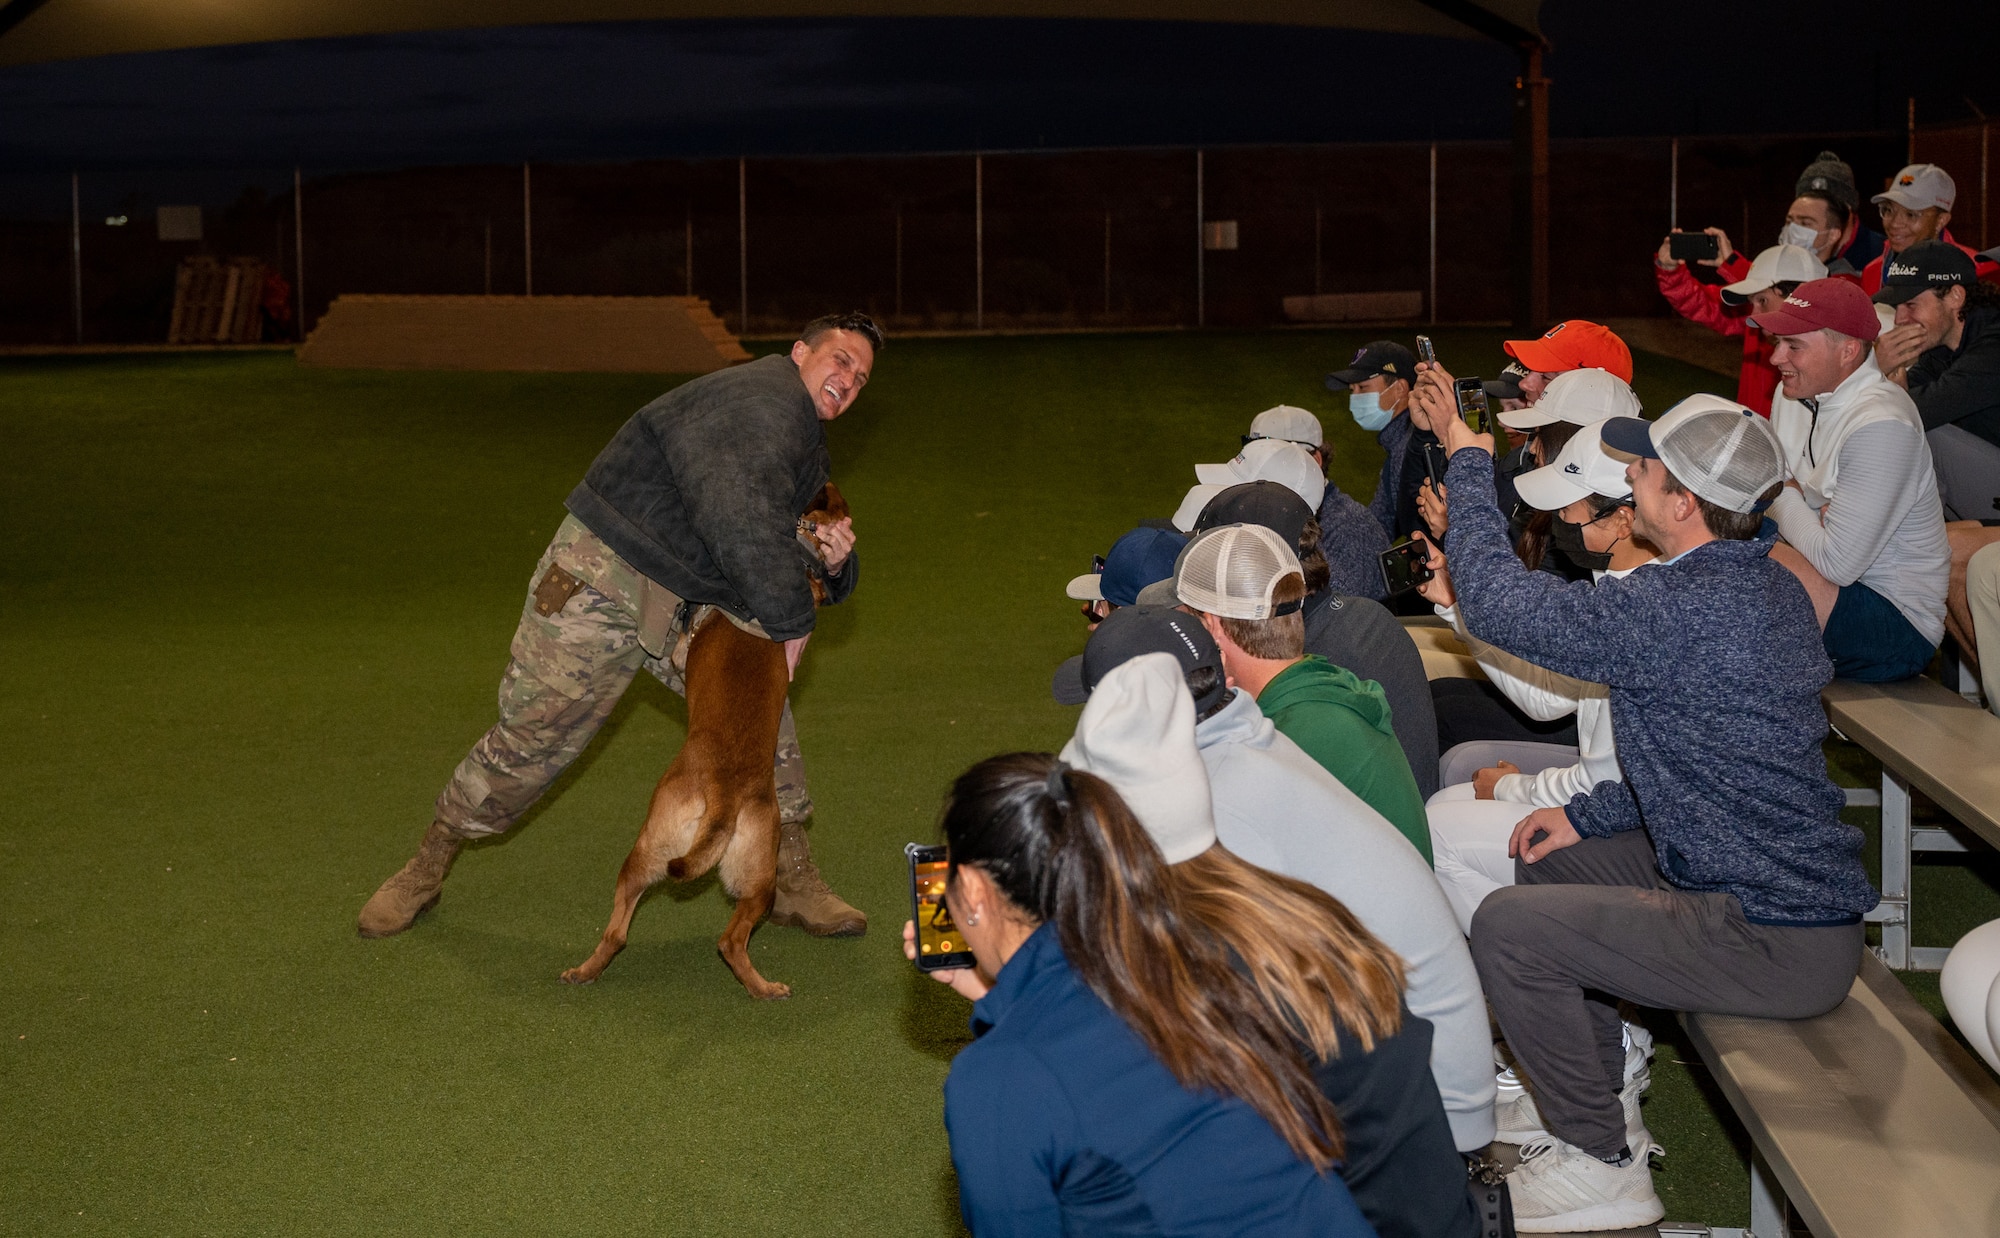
(664, 335)
(218, 301)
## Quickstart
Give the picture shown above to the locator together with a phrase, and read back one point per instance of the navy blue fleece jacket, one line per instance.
(1715, 665)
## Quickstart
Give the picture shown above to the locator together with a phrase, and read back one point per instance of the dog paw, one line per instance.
(771, 991)
(578, 975)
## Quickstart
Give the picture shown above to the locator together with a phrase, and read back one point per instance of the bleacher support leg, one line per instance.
(1770, 1216)
(1896, 911)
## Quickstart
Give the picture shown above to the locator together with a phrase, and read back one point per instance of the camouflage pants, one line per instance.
(567, 671)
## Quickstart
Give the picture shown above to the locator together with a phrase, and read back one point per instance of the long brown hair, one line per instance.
(1220, 986)
(1533, 544)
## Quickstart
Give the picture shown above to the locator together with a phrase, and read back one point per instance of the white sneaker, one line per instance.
(1518, 1121)
(1561, 1189)
(1638, 1052)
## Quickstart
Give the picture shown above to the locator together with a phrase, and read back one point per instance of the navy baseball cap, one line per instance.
(1134, 630)
(1385, 357)
(1275, 506)
(1136, 560)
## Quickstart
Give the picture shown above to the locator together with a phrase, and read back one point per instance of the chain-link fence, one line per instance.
(1018, 240)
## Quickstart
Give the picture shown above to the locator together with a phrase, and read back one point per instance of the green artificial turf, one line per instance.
(250, 617)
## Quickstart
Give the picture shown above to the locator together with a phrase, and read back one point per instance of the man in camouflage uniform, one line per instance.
(701, 491)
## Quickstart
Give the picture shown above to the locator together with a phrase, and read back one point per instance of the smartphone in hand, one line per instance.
(1693, 247)
(1405, 566)
(940, 946)
(1426, 353)
(1473, 407)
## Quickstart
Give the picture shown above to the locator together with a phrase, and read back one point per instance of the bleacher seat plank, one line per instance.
(1946, 746)
(1866, 1127)
(1929, 739)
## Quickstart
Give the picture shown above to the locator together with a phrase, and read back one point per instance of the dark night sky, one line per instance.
(202, 123)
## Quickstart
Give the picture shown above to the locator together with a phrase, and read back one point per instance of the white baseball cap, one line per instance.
(1580, 397)
(1776, 265)
(1717, 448)
(1264, 459)
(1232, 571)
(1137, 733)
(1580, 469)
(1920, 186)
(1293, 425)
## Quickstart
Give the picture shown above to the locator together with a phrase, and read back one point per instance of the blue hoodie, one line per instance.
(1715, 665)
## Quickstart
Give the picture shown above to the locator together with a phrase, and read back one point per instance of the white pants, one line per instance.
(1971, 987)
(1469, 846)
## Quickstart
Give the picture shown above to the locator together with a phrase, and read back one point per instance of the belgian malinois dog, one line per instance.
(718, 801)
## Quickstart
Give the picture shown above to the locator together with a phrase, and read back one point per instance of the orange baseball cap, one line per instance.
(1574, 345)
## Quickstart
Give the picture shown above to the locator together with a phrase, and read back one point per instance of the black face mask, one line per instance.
(1569, 539)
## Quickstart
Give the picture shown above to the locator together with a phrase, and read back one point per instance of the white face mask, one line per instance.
(1799, 235)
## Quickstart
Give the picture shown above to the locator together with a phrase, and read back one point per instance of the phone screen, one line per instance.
(939, 943)
(1692, 246)
(1404, 566)
(1473, 406)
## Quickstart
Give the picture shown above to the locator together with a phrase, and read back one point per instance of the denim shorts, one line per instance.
(1870, 640)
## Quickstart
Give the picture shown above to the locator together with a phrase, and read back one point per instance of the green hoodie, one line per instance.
(1343, 723)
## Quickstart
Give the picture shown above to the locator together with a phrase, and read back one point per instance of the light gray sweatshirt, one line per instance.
(1866, 509)
(1279, 809)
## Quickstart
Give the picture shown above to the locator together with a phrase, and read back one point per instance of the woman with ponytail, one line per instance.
(1136, 1071)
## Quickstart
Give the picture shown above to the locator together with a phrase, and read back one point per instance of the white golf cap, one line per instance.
(1580, 397)
(1582, 468)
(1232, 571)
(1267, 459)
(1777, 265)
(1717, 448)
(1137, 733)
(1919, 187)
(1293, 425)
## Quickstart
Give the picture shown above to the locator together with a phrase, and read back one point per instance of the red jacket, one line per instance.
(1871, 275)
(1702, 303)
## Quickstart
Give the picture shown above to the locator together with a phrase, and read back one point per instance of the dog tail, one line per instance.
(710, 838)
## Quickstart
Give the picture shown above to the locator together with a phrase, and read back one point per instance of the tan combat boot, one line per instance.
(413, 890)
(804, 899)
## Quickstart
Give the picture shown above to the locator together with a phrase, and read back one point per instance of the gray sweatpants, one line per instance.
(1595, 922)
(1968, 473)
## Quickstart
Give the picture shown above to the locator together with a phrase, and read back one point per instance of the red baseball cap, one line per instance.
(1574, 345)
(1832, 304)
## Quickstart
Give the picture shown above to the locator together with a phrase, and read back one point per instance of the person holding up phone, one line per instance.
(1105, 1094)
(1718, 875)
(1726, 309)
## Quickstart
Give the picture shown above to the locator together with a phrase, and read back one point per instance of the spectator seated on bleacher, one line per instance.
(1275, 807)
(1356, 633)
(1136, 560)
(1473, 817)
(1859, 513)
(1097, 1095)
(1349, 539)
(1982, 602)
(1916, 207)
(1244, 584)
(1377, 383)
(1945, 351)
(1718, 875)
(1825, 217)
(1970, 985)
(1476, 710)
(1725, 309)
